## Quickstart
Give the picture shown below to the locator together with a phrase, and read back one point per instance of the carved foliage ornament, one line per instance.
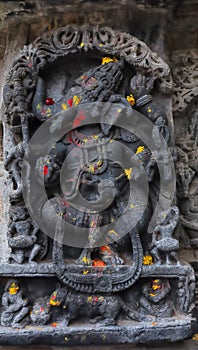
(185, 79)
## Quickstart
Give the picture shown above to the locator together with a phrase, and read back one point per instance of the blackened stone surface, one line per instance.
(185, 345)
(13, 270)
(90, 335)
(47, 270)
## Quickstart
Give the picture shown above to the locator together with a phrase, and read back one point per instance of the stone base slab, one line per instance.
(169, 330)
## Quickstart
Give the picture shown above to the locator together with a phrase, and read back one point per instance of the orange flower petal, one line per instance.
(98, 263)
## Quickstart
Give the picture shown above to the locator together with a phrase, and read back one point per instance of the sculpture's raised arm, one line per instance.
(140, 87)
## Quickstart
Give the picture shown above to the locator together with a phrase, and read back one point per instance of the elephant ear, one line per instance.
(109, 117)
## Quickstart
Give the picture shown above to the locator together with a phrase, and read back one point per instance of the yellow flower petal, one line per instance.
(64, 106)
(91, 168)
(38, 106)
(131, 99)
(128, 173)
(108, 59)
(99, 163)
(140, 149)
(89, 299)
(85, 260)
(76, 100)
(113, 232)
(13, 290)
(54, 302)
(148, 260)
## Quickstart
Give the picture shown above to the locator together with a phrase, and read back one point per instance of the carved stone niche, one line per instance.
(88, 116)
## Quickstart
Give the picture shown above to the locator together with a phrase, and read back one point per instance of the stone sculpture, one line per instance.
(153, 303)
(15, 306)
(163, 244)
(120, 282)
(22, 237)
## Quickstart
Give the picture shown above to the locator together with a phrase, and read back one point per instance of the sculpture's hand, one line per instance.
(141, 85)
(25, 302)
(156, 230)
(39, 99)
(40, 89)
(4, 301)
(46, 167)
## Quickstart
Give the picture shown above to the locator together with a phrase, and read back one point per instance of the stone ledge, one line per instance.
(27, 270)
(47, 270)
(130, 333)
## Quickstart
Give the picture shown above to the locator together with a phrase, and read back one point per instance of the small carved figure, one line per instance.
(154, 302)
(13, 165)
(164, 246)
(23, 237)
(15, 306)
(185, 174)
